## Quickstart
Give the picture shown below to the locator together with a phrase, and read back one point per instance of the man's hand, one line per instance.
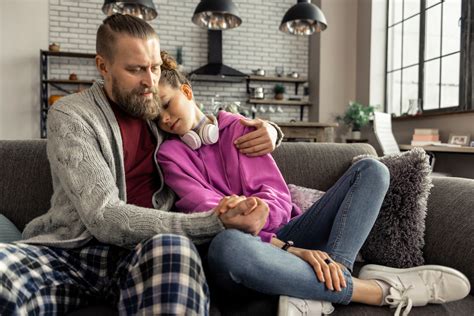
(229, 202)
(259, 142)
(251, 223)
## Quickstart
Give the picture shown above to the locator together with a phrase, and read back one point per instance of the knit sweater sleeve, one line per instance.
(75, 152)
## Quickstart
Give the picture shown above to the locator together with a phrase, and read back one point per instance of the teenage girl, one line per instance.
(308, 256)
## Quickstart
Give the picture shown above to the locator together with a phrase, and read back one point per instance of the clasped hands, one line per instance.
(247, 214)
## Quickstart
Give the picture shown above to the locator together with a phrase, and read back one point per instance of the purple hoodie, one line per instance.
(201, 178)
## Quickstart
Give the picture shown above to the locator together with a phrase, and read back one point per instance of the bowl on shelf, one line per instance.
(54, 47)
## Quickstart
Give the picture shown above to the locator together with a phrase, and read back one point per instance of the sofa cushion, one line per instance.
(8, 231)
(396, 239)
(303, 197)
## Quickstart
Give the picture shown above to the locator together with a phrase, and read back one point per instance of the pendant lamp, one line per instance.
(143, 9)
(304, 18)
(216, 15)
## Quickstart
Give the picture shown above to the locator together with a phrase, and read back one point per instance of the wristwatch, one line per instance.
(287, 245)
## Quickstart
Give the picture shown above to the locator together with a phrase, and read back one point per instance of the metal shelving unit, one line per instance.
(57, 83)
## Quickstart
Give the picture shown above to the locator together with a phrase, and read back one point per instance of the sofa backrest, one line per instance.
(317, 165)
(25, 180)
(26, 188)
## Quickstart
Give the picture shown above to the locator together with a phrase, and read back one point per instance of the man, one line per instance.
(109, 233)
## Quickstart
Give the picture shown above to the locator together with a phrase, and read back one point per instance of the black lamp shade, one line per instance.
(304, 18)
(216, 15)
(144, 9)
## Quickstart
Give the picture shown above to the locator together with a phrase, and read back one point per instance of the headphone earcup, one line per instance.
(210, 134)
(192, 139)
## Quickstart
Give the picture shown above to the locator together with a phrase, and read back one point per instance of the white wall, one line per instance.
(336, 69)
(23, 31)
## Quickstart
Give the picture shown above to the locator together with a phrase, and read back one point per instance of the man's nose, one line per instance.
(149, 79)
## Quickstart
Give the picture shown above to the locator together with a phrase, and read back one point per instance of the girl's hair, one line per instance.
(169, 72)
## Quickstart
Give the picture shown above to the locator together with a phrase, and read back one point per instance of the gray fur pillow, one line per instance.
(397, 238)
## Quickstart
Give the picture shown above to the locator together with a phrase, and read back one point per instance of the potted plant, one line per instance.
(356, 116)
(279, 91)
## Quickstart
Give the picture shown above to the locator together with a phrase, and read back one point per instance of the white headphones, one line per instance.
(202, 134)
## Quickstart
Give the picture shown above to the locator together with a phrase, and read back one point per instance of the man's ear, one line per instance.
(100, 64)
(188, 92)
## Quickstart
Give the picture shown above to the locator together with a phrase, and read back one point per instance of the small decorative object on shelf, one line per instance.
(356, 116)
(73, 76)
(279, 90)
(54, 47)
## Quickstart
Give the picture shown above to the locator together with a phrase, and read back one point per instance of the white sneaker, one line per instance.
(419, 286)
(292, 306)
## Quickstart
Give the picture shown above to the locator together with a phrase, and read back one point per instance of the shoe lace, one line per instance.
(327, 308)
(398, 298)
(435, 293)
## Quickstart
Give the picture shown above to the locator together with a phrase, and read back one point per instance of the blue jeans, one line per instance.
(338, 223)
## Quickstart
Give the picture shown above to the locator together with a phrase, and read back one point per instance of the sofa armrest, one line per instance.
(317, 165)
(449, 235)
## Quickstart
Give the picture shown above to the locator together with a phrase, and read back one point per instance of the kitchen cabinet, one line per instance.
(283, 80)
(59, 84)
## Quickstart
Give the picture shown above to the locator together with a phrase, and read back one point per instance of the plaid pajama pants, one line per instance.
(162, 275)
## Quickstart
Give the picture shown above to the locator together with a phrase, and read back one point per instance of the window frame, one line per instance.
(466, 84)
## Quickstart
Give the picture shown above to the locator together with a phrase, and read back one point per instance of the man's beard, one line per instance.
(135, 104)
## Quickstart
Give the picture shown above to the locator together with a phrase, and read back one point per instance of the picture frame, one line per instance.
(472, 143)
(459, 139)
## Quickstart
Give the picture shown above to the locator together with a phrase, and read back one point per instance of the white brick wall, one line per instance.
(256, 43)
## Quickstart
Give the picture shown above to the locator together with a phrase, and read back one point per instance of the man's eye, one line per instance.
(155, 69)
(134, 70)
(165, 106)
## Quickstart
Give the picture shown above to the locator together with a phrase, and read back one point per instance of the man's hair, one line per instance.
(117, 24)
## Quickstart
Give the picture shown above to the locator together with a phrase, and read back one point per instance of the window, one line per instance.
(428, 48)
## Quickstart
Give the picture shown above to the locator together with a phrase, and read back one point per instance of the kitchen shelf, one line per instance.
(277, 79)
(282, 79)
(66, 81)
(67, 54)
(45, 82)
(278, 102)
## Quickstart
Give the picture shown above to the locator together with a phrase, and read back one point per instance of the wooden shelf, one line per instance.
(445, 149)
(277, 102)
(277, 79)
(306, 124)
(66, 81)
(67, 54)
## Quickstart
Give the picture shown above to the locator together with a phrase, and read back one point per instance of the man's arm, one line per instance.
(77, 159)
(266, 137)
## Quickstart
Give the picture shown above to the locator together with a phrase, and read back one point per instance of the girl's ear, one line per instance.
(188, 92)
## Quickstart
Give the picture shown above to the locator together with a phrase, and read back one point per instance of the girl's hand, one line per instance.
(331, 273)
(228, 202)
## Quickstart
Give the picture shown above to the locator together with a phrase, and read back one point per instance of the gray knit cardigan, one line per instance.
(89, 199)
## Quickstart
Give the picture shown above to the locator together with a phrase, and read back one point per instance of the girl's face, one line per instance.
(179, 112)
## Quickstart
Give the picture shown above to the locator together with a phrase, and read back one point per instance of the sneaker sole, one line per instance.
(367, 270)
(283, 306)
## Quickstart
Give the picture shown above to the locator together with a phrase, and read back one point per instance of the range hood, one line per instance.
(215, 70)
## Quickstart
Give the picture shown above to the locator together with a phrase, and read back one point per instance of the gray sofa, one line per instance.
(25, 190)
